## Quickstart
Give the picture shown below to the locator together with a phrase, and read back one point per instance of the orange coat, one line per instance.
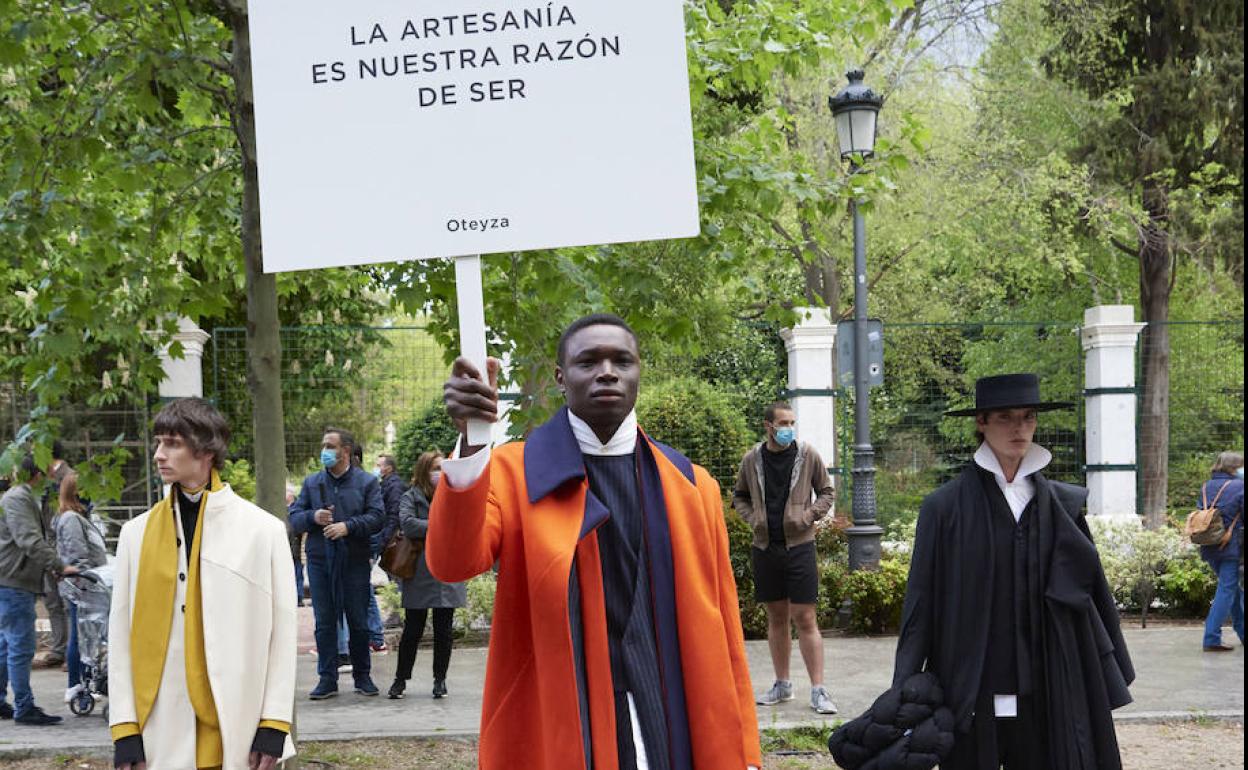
(531, 715)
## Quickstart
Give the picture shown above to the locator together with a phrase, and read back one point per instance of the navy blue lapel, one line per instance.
(663, 589)
(552, 458)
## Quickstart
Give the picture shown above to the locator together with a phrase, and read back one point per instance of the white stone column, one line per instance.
(184, 376)
(811, 346)
(1109, 342)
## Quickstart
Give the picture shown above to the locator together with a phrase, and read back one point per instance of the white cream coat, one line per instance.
(247, 582)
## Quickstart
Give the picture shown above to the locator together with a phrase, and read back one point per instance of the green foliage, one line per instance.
(740, 538)
(699, 420)
(877, 596)
(120, 192)
(1187, 586)
(241, 478)
(390, 598)
(430, 429)
(1153, 568)
(479, 611)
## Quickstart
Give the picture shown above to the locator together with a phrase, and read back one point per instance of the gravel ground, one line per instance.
(1195, 745)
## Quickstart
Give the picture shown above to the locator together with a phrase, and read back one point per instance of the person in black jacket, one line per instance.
(1007, 604)
(339, 508)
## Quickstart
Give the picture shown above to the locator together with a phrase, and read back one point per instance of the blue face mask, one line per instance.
(377, 473)
(1239, 473)
(785, 436)
(329, 458)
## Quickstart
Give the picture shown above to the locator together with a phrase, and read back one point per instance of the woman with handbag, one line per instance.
(1225, 491)
(422, 592)
(79, 543)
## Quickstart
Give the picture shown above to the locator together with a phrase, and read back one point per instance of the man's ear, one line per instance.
(559, 376)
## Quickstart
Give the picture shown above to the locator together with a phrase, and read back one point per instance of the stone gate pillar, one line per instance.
(811, 346)
(1109, 343)
(184, 376)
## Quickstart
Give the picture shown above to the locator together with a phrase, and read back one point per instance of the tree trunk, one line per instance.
(1156, 283)
(264, 344)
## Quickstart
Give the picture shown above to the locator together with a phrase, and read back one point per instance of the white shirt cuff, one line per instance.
(1005, 706)
(463, 472)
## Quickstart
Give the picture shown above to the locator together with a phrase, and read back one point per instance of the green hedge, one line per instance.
(698, 420)
(430, 428)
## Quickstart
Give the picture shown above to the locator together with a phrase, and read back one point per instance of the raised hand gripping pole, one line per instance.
(472, 330)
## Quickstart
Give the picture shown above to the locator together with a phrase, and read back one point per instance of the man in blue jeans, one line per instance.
(25, 555)
(339, 508)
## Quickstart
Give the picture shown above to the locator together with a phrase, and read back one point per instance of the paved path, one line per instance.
(1174, 679)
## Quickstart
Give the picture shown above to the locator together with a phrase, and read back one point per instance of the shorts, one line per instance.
(786, 573)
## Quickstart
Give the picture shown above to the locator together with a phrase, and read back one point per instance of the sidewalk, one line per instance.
(1175, 680)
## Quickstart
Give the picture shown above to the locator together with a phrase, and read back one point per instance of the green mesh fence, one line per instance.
(1206, 407)
(367, 380)
(930, 369)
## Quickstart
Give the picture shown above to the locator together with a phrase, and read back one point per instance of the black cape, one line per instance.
(1076, 666)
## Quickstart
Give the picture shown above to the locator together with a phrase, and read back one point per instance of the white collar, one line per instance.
(1036, 459)
(623, 442)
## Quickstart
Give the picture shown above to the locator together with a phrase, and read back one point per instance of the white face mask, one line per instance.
(434, 478)
(1239, 473)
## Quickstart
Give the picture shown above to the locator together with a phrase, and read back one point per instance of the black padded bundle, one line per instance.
(907, 728)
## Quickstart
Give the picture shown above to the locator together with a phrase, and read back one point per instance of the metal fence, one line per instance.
(1205, 408)
(372, 380)
(368, 380)
(87, 432)
(931, 369)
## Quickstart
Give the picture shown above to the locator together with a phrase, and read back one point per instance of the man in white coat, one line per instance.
(202, 632)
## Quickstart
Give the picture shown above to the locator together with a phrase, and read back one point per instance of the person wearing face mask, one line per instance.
(782, 489)
(339, 508)
(423, 592)
(1225, 491)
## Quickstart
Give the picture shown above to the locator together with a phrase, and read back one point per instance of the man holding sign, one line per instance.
(616, 640)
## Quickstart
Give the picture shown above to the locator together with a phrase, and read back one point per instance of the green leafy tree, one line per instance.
(1168, 149)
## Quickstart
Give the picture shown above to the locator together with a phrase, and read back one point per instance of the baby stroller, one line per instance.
(91, 591)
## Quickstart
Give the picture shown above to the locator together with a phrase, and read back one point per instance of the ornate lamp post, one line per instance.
(855, 110)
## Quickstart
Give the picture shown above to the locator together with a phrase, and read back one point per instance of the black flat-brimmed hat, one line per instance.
(1008, 391)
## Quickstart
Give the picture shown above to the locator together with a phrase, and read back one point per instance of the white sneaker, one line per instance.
(821, 700)
(779, 692)
(72, 692)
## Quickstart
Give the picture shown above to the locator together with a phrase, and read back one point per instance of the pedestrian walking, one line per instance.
(1225, 491)
(202, 630)
(339, 508)
(616, 639)
(79, 543)
(1007, 604)
(25, 557)
(423, 593)
(782, 491)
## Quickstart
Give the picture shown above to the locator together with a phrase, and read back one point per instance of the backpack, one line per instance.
(1204, 526)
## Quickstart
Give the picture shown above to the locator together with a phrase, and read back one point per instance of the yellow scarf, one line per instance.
(153, 617)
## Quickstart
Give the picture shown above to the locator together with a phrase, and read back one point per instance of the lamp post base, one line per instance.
(864, 546)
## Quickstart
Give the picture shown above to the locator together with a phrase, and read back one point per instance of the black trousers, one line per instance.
(414, 630)
(1013, 743)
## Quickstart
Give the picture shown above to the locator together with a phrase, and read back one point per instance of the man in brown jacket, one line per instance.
(782, 489)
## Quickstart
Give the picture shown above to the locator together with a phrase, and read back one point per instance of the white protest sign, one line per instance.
(389, 130)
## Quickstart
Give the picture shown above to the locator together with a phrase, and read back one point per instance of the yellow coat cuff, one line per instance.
(276, 725)
(125, 730)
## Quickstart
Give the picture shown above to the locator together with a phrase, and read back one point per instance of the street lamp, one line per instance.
(855, 110)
